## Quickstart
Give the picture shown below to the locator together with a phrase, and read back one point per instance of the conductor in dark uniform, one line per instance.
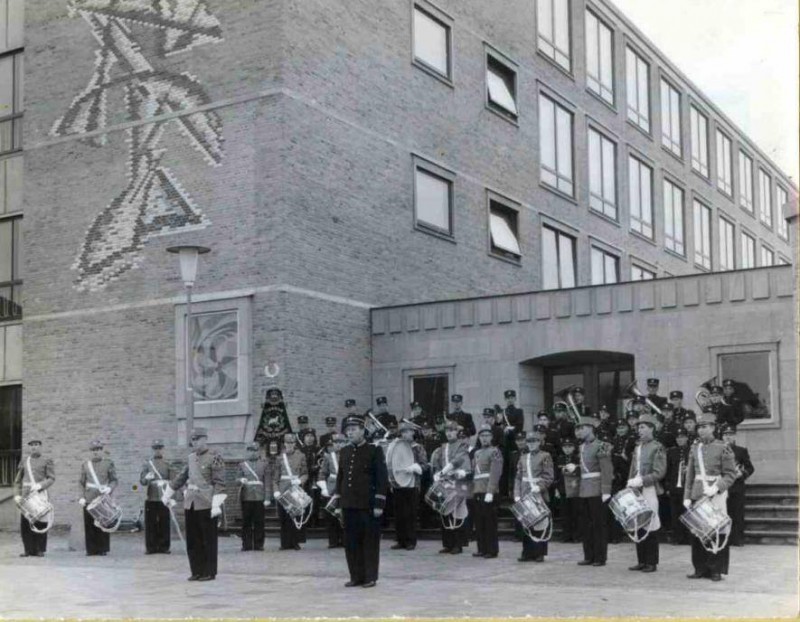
(156, 474)
(744, 469)
(652, 393)
(464, 419)
(361, 486)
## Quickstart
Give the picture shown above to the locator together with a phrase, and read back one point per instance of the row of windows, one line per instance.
(432, 48)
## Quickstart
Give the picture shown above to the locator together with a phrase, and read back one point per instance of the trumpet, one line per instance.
(376, 426)
(569, 403)
(632, 389)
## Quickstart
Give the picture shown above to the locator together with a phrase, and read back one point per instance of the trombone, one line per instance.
(569, 403)
(632, 389)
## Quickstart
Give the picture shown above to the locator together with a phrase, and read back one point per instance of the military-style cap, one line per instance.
(456, 397)
(488, 412)
(509, 393)
(631, 414)
(289, 437)
(96, 445)
(415, 405)
(690, 416)
(543, 413)
(253, 447)
(484, 428)
(330, 420)
(452, 425)
(540, 429)
(381, 400)
(676, 394)
(668, 407)
(682, 432)
(302, 419)
(579, 390)
(200, 432)
(354, 420)
(588, 421)
(34, 441)
(559, 406)
(706, 418)
(640, 399)
(349, 403)
(652, 382)
(309, 431)
(519, 434)
(622, 423)
(728, 429)
(604, 408)
(716, 389)
(534, 435)
(274, 392)
(568, 440)
(728, 383)
(647, 420)
(157, 444)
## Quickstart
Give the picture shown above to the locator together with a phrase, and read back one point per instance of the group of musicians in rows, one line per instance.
(574, 459)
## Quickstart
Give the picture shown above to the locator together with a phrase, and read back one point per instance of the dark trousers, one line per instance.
(468, 530)
(97, 540)
(201, 542)
(290, 534)
(571, 508)
(593, 534)
(453, 538)
(335, 532)
(252, 525)
(531, 549)
(679, 532)
(706, 563)
(486, 525)
(406, 501)
(647, 550)
(33, 543)
(156, 527)
(362, 544)
(736, 512)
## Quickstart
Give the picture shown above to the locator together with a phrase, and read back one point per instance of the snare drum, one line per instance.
(35, 507)
(297, 504)
(709, 524)
(107, 515)
(533, 514)
(632, 512)
(443, 497)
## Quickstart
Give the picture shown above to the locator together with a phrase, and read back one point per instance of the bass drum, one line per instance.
(399, 457)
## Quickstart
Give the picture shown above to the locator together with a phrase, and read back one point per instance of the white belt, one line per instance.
(590, 475)
(710, 478)
(531, 480)
(286, 477)
(249, 483)
(481, 476)
(94, 486)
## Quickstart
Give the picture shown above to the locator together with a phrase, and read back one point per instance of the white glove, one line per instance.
(17, 499)
(82, 502)
(415, 468)
(105, 490)
(166, 498)
(460, 473)
(242, 480)
(570, 468)
(711, 491)
(606, 498)
(687, 503)
(149, 476)
(535, 488)
(323, 488)
(488, 497)
(635, 482)
(267, 503)
(377, 512)
(216, 505)
(509, 428)
(295, 481)
(437, 477)
(517, 499)
(36, 487)
(276, 494)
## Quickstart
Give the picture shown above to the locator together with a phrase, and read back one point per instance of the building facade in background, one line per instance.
(340, 157)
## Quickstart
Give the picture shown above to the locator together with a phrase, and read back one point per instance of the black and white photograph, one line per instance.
(398, 309)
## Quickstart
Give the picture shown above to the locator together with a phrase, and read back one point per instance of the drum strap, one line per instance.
(446, 455)
(335, 461)
(288, 468)
(249, 468)
(583, 464)
(639, 460)
(528, 468)
(90, 468)
(155, 470)
(30, 471)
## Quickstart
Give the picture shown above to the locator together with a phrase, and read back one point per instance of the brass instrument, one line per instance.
(681, 473)
(569, 402)
(499, 410)
(373, 426)
(632, 389)
(703, 396)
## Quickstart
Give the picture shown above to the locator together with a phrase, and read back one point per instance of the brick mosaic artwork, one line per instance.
(154, 202)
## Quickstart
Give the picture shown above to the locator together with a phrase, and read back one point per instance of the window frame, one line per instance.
(14, 118)
(409, 374)
(574, 239)
(707, 236)
(601, 23)
(639, 219)
(766, 250)
(668, 180)
(696, 113)
(726, 190)
(435, 14)
(667, 140)
(635, 265)
(494, 56)
(762, 209)
(557, 105)
(751, 238)
(553, 59)
(748, 205)
(12, 309)
(729, 245)
(781, 226)
(635, 120)
(492, 198)
(603, 136)
(616, 256)
(434, 170)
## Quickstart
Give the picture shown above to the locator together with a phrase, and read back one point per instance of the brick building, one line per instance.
(338, 157)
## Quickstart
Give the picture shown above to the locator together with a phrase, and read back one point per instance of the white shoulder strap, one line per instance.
(90, 467)
(30, 470)
(286, 464)
(528, 466)
(335, 461)
(249, 468)
(639, 459)
(155, 470)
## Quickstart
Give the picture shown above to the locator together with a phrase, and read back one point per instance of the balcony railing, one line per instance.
(9, 461)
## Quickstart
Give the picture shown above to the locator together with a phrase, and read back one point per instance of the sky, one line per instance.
(743, 54)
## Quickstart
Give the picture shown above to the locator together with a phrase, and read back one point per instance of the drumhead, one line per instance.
(399, 457)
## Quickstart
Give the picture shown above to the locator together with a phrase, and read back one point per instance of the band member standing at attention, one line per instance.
(204, 477)
(648, 468)
(35, 474)
(406, 499)
(310, 449)
(326, 439)
(731, 410)
(563, 423)
(98, 477)
(690, 425)
(361, 487)
(514, 421)
(678, 411)
(534, 474)
(669, 427)
(302, 427)
(327, 486)
(569, 487)
(675, 481)
(652, 393)
(155, 476)
(464, 419)
(597, 474)
(384, 417)
(620, 460)
(451, 460)
(552, 436)
(744, 469)
(710, 473)
(578, 396)
(487, 468)
(291, 470)
(255, 492)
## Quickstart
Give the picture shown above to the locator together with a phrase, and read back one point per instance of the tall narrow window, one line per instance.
(434, 198)
(783, 199)
(552, 18)
(748, 251)
(558, 259)
(699, 128)
(702, 235)
(638, 89)
(724, 170)
(10, 102)
(671, 118)
(504, 230)
(767, 257)
(727, 254)
(10, 270)
(432, 42)
(555, 142)
(602, 174)
(765, 197)
(673, 218)
(12, 24)
(640, 181)
(501, 86)
(599, 58)
(605, 267)
(640, 274)
(745, 181)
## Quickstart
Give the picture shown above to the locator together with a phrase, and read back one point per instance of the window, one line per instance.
(10, 102)
(753, 370)
(558, 259)
(727, 254)
(10, 269)
(702, 235)
(10, 429)
(745, 181)
(10, 353)
(501, 86)
(673, 218)
(767, 257)
(605, 267)
(638, 90)
(432, 391)
(724, 170)
(602, 174)
(748, 251)
(782, 261)
(432, 42)
(671, 118)
(640, 274)
(699, 128)
(10, 185)
(599, 58)
(552, 18)
(504, 230)
(640, 180)
(783, 199)
(555, 136)
(765, 197)
(433, 201)
(12, 21)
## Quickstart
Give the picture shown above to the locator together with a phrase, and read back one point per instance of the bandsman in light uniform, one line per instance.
(155, 476)
(327, 486)
(451, 460)
(406, 500)
(535, 473)
(98, 477)
(255, 492)
(291, 470)
(487, 468)
(597, 474)
(35, 474)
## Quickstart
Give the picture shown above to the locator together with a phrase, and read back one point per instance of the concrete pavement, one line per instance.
(421, 583)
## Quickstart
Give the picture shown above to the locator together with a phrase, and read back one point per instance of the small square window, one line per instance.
(641, 274)
(432, 42)
(501, 86)
(504, 230)
(433, 201)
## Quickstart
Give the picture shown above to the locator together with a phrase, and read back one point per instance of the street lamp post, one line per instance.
(188, 256)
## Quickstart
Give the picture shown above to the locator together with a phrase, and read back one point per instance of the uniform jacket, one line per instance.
(680, 414)
(569, 484)
(515, 417)
(487, 467)
(534, 467)
(259, 480)
(720, 467)
(659, 400)
(162, 473)
(106, 476)
(649, 461)
(297, 467)
(731, 413)
(362, 481)
(597, 472)
(204, 476)
(464, 419)
(325, 440)
(329, 470)
(456, 453)
(565, 428)
(677, 461)
(44, 473)
(742, 459)
(620, 460)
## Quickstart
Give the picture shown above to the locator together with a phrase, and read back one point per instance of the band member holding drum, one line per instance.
(98, 477)
(204, 475)
(744, 469)
(291, 469)
(155, 476)
(464, 419)
(648, 468)
(535, 474)
(34, 475)
(451, 461)
(710, 473)
(255, 493)
(327, 486)
(487, 468)
(361, 486)
(597, 474)
(406, 493)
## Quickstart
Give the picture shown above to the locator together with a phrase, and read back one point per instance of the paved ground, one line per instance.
(419, 583)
